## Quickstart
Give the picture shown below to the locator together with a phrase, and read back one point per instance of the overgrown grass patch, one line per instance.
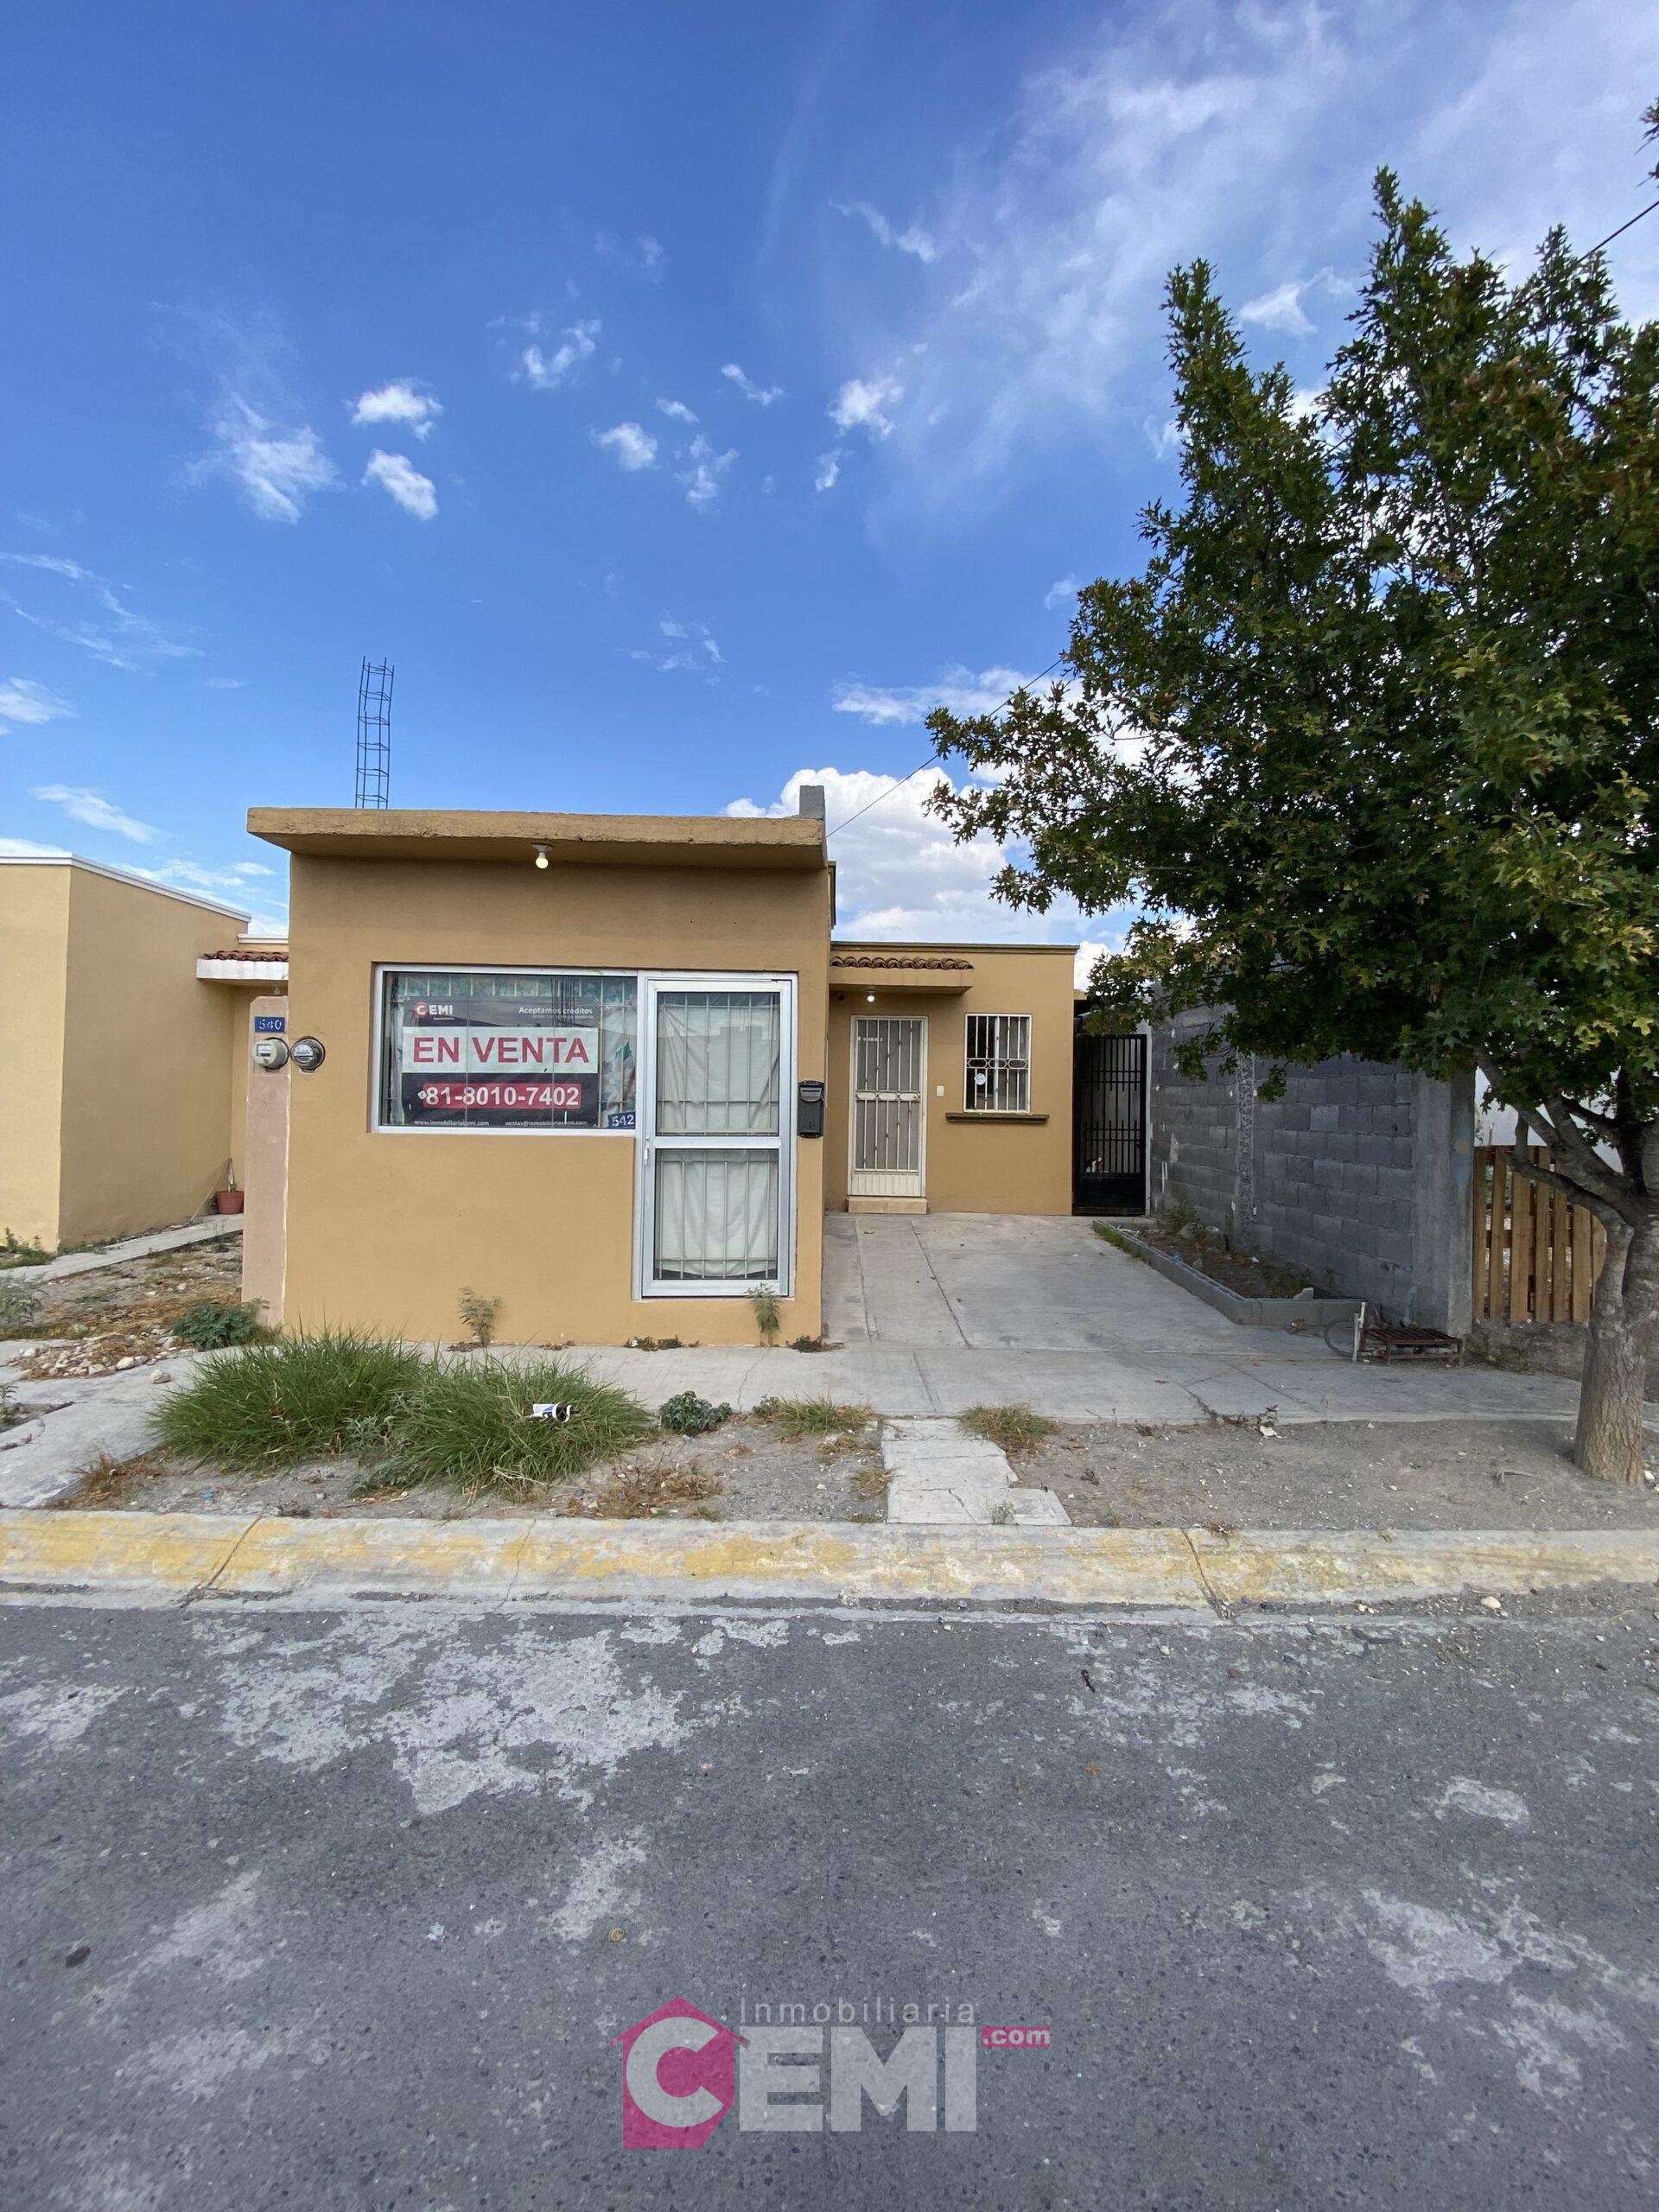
(303, 1398)
(470, 1423)
(798, 1420)
(1015, 1428)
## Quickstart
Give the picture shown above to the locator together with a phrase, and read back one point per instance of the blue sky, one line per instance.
(683, 399)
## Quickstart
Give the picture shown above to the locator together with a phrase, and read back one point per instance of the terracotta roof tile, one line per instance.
(897, 960)
(250, 952)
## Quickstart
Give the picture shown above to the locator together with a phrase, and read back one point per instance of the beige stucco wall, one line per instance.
(33, 955)
(147, 1052)
(386, 1229)
(972, 1166)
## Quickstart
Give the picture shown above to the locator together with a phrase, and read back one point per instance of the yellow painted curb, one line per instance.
(174, 1554)
(111, 1551)
(1291, 1565)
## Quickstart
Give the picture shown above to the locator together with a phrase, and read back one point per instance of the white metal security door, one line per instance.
(716, 1209)
(889, 1083)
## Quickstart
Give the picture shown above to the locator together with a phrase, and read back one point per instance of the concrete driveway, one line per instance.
(1004, 1282)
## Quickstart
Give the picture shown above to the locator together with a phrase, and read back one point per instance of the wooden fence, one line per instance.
(1536, 1254)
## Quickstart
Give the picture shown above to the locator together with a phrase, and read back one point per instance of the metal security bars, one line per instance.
(1109, 1124)
(999, 1064)
(888, 1052)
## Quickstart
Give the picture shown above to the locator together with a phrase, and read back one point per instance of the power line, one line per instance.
(928, 763)
(1623, 227)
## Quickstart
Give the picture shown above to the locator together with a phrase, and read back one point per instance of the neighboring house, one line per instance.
(611, 1068)
(122, 1049)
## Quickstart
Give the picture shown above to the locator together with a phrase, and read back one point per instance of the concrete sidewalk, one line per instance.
(1132, 1382)
(130, 1247)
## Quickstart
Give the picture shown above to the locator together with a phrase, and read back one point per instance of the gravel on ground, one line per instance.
(1440, 1474)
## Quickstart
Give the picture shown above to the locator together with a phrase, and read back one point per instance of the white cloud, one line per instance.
(415, 494)
(1062, 592)
(1280, 309)
(702, 470)
(642, 255)
(224, 683)
(828, 472)
(898, 872)
(189, 877)
(863, 403)
(404, 400)
(25, 849)
(28, 704)
(959, 689)
(762, 395)
(547, 372)
(110, 631)
(912, 239)
(278, 470)
(676, 411)
(633, 448)
(95, 810)
(687, 646)
(1247, 130)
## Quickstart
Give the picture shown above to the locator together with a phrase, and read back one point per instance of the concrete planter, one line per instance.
(1297, 1313)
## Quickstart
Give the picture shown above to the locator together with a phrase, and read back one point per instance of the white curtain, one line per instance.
(718, 1055)
(716, 1217)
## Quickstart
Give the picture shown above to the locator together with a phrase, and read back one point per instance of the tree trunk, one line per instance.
(1623, 1334)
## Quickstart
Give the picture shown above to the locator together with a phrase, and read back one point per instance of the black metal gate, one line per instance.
(1109, 1124)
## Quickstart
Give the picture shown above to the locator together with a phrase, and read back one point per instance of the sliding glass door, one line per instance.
(715, 1198)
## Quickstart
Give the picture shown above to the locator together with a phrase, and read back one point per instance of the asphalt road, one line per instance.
(343, 1909)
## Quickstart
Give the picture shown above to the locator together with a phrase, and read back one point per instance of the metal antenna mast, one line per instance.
(374, 735)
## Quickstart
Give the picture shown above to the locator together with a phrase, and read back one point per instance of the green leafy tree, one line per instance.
(1372, 742)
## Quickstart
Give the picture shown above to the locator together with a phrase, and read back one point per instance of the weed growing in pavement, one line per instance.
(768, 1316)
(1015, 1428)
(478, 1314)
(797, 1420)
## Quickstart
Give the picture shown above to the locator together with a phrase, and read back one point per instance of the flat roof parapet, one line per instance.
(613, 840)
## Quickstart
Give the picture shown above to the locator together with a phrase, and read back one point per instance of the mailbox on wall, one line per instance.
(809, 1109)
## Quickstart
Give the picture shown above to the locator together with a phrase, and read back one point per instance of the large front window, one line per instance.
(507, 1049)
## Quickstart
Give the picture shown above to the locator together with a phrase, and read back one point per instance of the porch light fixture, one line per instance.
(541, 855)
(869, 998)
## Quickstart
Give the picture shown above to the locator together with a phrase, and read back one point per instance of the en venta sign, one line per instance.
(486, 1060)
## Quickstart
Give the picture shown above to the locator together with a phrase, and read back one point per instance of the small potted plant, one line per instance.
(229, 1200)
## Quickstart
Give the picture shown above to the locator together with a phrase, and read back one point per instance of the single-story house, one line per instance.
(611, 1070)
(123, 1049)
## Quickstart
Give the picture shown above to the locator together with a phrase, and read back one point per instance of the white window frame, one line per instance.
(650, 981)
(971, 1105)
(383, 968)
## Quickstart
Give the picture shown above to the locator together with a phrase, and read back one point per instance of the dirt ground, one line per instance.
(1450, 1474)
(116, 1316)
(742, 1470)
(1235, 1271)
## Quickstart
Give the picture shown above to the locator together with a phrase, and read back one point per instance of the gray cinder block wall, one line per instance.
(1360, 1175)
